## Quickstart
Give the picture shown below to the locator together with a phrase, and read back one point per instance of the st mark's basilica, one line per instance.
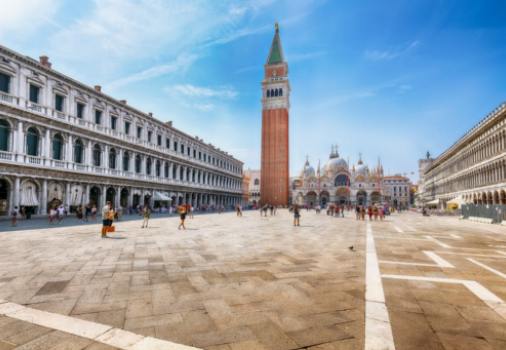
(336, 182)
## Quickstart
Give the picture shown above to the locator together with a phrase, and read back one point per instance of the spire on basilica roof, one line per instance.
(360, 162)
(276, 53)
(334, 152)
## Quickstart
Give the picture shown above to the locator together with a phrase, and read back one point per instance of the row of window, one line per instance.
(274, 92)
(59, 103)
(152, 167)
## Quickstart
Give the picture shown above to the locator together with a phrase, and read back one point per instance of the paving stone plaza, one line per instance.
(256, 282)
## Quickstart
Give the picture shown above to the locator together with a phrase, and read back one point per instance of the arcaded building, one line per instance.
(274, 188)
(473, 169)
(63, 142)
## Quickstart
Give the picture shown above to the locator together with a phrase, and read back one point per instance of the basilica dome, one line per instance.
(335, 163)
(361, 168)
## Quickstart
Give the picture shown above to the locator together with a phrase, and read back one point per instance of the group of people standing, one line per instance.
(268, 207)
(373, 211)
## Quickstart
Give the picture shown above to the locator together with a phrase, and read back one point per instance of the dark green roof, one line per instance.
(276, 53)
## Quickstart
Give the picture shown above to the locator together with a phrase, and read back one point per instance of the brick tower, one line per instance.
(274, 184)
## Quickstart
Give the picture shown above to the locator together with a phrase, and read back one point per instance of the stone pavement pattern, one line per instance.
(260, 283)
(435, 313)
(225, 283)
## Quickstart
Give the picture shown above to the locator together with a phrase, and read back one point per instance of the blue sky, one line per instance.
(389, 79)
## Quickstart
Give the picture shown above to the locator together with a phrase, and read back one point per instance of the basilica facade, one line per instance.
(63, 142)
(338, 182)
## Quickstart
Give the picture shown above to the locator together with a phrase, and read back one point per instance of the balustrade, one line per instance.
(5, 155)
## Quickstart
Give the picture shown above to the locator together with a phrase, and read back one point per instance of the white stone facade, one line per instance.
(396, 190)
(65, 140)
(253, 186)
(336, 182)
(473, 168)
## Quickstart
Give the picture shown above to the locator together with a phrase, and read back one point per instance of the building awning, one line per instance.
(29, 195)
(433, 202)
(161, 196)
(458, 201)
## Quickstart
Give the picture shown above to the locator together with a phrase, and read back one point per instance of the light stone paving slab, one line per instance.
(378, 331)
(253, 283)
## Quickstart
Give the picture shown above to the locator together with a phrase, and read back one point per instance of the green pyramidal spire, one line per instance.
(276, 53)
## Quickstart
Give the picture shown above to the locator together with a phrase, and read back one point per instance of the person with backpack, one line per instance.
(182, 215)
(146, 214)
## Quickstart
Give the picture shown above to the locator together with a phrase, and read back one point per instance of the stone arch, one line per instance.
(324, 198)
(33, 141)
(97, 155)
(502, 197)
(112, 158)
(138, 164)
(94, 195)
(110, 195)
(311, 198)
(490, 199)
(78, 151)
(375, 197)
(158, 168)
(496, 197)
(123, 198)
(5, 135)
(361, 197)
(5, 195)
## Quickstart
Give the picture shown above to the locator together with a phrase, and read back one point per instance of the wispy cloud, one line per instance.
(190, 90)
(202, 98)
(390, 54)
(181, 63)
(22, 18)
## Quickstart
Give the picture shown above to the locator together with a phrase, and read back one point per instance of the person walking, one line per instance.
(296, 215)
(14, 216)
(357, 212)
(61, 213)
(146, 214)
(105, 218)
(182, 216)
(362, 213)
(238, 210)
(369, 212)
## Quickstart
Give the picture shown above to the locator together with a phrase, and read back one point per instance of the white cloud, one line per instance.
(181, 63)
(387, 55)
(190, 90)
(24, 17)
(201, 98)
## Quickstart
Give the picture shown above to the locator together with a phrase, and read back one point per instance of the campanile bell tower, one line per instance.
(274, 184)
